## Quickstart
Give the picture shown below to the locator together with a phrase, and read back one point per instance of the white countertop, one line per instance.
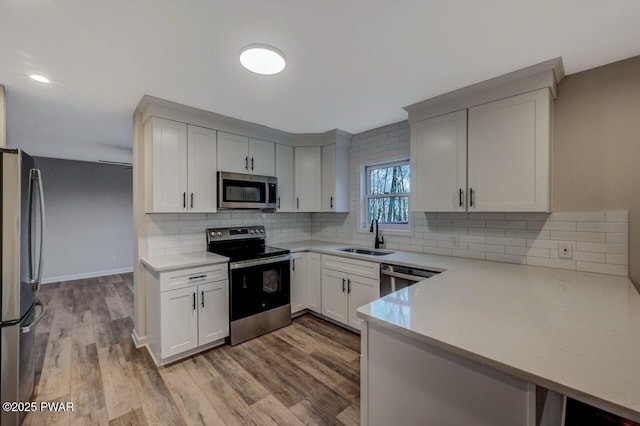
(577, 333)
(179, 261)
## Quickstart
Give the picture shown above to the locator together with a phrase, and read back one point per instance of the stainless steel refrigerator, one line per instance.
(21, 232)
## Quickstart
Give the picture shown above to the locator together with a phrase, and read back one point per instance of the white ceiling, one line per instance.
(351, 64)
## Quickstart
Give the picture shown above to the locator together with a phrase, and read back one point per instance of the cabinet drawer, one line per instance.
(193, 276)
(352, 266)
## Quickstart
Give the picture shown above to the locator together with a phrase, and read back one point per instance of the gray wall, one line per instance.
(597, 146)
(89, 218)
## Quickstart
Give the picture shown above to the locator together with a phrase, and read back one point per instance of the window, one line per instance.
(386, 195)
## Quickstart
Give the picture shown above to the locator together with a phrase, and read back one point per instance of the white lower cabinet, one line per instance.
(346, 285)
(314, 282)
(299, 282)
(183, 321)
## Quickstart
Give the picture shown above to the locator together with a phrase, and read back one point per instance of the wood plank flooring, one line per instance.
(306, 373)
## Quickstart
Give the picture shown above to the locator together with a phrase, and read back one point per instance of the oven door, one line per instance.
(259, 285)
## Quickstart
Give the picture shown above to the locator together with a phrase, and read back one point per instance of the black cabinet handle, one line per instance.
(251, 163)
(470, 197)
(194, 301)
(246, 163)
(348, 286)
(192, 200)
(195, 277)
(331, 202)
(343, 281)
(293, 264)
(278, 202)
(461, 195)
(298, 203)
(184, 200)
(202, 298)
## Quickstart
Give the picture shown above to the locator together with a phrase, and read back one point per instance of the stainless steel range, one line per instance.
(259, 281)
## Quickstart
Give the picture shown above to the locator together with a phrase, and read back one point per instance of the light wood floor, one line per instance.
(306, 373)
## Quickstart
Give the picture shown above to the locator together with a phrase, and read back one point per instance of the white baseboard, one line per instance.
(137, 340)
(49, 280)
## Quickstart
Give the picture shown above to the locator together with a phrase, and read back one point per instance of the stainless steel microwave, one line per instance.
(244, 191)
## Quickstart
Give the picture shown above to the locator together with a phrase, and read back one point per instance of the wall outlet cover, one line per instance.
(455, 241)
(565, 250)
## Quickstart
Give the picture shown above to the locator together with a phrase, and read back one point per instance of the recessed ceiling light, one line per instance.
(262, 59)
(39, 78)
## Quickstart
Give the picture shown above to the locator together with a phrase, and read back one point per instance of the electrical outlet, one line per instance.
(455, 241)
(565, 250)
(113, 257)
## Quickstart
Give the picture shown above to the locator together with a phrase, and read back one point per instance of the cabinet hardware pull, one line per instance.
(251, 163)
(192, 200)
(343, 280)
(461, 195)
(202, 296)
(298, 203)
(331, 202)
(184, 200)
(195, 277)
(246, 163)
(470, 197)
(194, 300)
(348, 286)
(293, 264)
(278, 202)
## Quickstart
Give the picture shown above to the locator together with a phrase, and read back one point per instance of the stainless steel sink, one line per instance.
(371, 252)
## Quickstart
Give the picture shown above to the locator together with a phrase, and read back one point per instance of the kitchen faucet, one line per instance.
(379, 239)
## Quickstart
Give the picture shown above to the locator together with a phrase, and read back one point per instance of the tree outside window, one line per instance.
(387, 194)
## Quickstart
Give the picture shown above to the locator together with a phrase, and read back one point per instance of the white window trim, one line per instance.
(363, 227)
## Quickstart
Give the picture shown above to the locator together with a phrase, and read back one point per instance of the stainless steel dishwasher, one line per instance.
(394, 277)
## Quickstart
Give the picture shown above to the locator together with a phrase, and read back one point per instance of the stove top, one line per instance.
(241, 243)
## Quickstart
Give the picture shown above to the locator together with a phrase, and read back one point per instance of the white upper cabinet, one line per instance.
(233, 153)
(262, 156)
(240, 154)
(284, 173)
(201, 169)
(439, 163)
(183, 173)
(307, 179)
(509, 154)
(335, 178)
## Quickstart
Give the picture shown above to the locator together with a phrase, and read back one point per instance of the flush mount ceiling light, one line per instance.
(262, 59)
(39, 78)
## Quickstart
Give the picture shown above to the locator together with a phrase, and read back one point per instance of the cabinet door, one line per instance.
(284, 173)
(360, 291)
(314, 282)
(262, 157)
(335, 178)
(439, 163)
(307, 182)
(334, 292)
(169, 164)
(233, 153)
(509, 154)
(299, 293)
(213, 316)
(179, 321)
(202, 163)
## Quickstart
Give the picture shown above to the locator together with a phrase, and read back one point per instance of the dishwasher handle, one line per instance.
(414, 278)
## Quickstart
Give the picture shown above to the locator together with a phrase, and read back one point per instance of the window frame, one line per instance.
(365, 180)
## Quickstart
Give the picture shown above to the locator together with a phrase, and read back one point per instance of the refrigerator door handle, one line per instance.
(29, 328)
(37, 177)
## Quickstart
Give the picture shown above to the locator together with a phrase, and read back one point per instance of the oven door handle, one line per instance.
(257, 262)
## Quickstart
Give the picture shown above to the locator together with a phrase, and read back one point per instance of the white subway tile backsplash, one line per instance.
(486, 248)
(552, 226)
(507, 224)
(578, 216)
(603, 226)
(617, 216)
(586, 256)
(617, 238)
(528, 251)
(603, 248)
(597, 237)
(552, 263)
(508, 258)
(518, 242)
(617, 259)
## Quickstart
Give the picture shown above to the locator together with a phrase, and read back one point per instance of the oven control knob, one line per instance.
(219, 234)
(262, 231)
(252, 231)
